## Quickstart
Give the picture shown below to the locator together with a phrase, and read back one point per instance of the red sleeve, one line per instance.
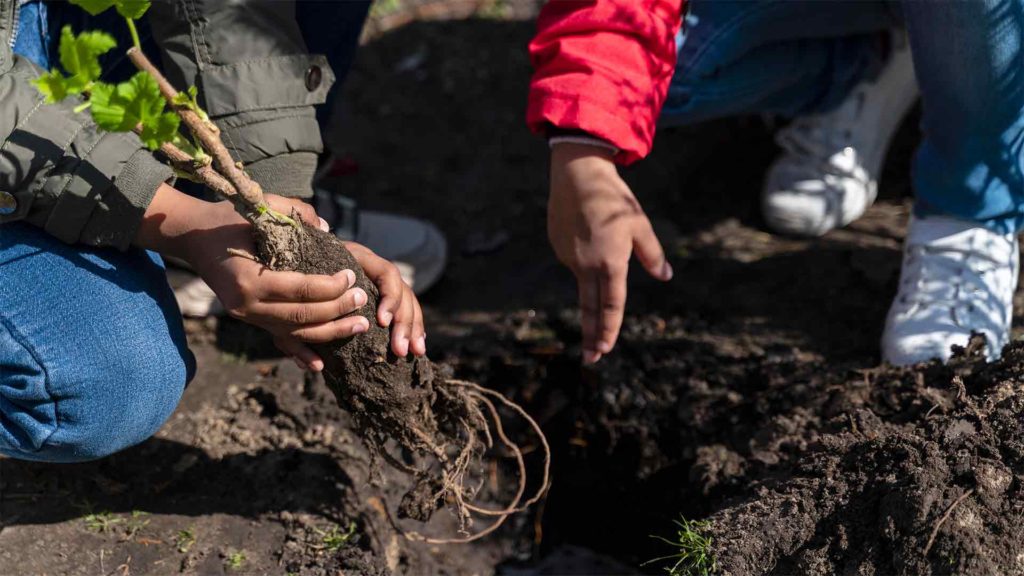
(604, 66)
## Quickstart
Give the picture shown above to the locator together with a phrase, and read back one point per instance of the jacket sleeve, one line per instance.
(255, 78)
(59, 172)
(603, 67)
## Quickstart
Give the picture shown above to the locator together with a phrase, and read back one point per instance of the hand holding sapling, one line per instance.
(442, 427)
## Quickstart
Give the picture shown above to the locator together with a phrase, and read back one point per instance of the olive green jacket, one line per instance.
(256, 80)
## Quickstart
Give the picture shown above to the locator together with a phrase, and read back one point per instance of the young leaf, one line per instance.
(122, 107)
(133, 9)
(53, 85)
(161, 130)
(79, 56)
(93, 7)
(186, 99)
(127, 8)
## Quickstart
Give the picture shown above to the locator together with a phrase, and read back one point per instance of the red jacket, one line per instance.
(603, 67)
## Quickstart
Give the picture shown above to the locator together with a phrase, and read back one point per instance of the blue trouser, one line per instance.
(796, 57)
(93, 356)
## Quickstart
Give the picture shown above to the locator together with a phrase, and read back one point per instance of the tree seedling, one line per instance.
(410, 413)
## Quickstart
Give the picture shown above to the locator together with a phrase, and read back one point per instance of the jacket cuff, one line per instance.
(288, 175)
(629, 129)
(103, 200)
(118, 215)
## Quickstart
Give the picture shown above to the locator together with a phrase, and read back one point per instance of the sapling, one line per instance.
(441, 428)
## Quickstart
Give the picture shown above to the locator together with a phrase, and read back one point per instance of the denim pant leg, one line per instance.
(969, 58)
(93, 356)
(786, 57)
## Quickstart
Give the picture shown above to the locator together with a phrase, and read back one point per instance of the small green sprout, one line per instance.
(185, 539)
(693, 555)
(235, 560)
(101, 522)
(135, 523)
(335, 538)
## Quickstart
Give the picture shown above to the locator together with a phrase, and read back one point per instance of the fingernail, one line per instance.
(604, 347)
(385, 318)
(423, 343)
(324, 226)
(350, 276)
(589, 356)
(359, 297)
(316, 365)
(359, 328)
(666, 271)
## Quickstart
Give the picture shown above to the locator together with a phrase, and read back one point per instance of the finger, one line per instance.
(649, 252)
(330, 331)
(386, 277)
(401, 330)
(296, 287)
(417, 335)
(286, 205)
(303, 355)
(589, 314)
(300, 314)
(612, 298)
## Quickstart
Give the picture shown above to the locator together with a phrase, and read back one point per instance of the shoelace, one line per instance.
(819, 139)
(945, 277)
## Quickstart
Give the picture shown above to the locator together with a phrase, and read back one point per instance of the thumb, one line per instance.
(650, 253)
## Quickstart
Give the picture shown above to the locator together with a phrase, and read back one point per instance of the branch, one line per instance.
(208, 135)
(203, 173)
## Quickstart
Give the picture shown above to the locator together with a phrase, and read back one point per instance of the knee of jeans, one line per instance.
(126, 402)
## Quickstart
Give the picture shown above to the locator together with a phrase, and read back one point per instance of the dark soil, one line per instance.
(748, 391)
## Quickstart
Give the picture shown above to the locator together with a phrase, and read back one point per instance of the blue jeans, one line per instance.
(796, 57)
(93, 356)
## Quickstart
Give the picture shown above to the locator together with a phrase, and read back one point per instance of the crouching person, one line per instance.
(93, 355)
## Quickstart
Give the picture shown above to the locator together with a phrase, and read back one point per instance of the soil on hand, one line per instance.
(747, 391)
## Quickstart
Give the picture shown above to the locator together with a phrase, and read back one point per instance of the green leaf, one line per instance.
(133, 9)
(53, 85)
(187, 98)
(93, 7)
(79, 56)
(128, 8)
(161, 130)
(137, 102)
(120, 108)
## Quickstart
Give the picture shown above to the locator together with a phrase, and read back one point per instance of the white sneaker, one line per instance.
(957, 278)
(416, 246)
(827, 174)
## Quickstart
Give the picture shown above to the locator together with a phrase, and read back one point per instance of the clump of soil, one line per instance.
(440, 427)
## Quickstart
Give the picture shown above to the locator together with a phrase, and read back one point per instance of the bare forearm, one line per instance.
(170, 222)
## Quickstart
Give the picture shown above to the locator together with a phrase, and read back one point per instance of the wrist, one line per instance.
(565, 151)
(170, 221)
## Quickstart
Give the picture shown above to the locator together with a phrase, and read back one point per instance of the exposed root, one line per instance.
(454, 472)
(945, 516)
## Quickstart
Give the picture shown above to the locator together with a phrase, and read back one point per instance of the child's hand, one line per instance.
(397, 303)
(595, 223)
(295, 308)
